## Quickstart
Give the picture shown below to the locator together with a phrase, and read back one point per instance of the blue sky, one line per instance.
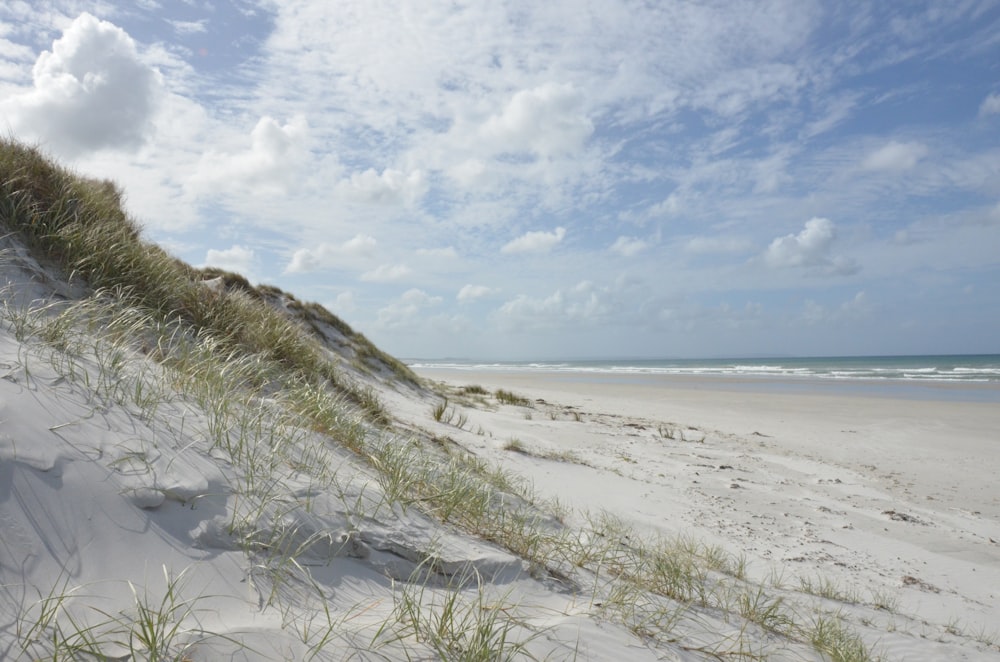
(563, 179)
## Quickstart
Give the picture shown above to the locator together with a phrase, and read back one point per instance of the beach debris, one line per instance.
(909, 580)
(902, 517)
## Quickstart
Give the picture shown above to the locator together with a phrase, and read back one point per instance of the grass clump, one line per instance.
(830, 636)
(443, 413)
(507, 398)
(515, 445)
(459, 622)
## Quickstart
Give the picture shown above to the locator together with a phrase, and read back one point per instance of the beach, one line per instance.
(870, 490)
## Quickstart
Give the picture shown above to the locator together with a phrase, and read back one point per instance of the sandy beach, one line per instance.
(880, 492)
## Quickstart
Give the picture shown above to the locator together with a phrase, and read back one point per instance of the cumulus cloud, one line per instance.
(628, 246)
(387, 273)
(990, 105)
(809, 248)
(895, 156)
(471, 292)
(535, 242)
(389, 187)
(548, 120)
(238, 258)
(330, 255)
(90, 92)
(275, 154)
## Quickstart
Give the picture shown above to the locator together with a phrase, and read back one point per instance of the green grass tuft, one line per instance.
(508, 398)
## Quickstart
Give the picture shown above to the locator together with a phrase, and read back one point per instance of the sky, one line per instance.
(551, 180)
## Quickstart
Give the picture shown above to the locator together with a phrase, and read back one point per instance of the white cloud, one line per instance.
(390, 187)
(272, 162)
(895, 156)
(628, 246)
(472, 292)
(535, 242)
(547, 120)
(990, 105)
(809, 248)
(387, 273)
(330, 255)
(668, 207)
(90, 92)
(238, 258)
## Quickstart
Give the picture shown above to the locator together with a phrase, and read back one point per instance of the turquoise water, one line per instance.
(975, 368)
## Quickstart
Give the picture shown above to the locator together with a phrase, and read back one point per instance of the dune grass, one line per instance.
(79, 224)
(508, 398)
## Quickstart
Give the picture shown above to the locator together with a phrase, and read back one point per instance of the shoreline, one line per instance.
(891, 388)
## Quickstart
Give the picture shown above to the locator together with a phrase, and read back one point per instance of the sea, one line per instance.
(946, 368)
(974, 377)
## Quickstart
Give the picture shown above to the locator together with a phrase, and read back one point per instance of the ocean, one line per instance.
(969, 378)
(972, 368)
